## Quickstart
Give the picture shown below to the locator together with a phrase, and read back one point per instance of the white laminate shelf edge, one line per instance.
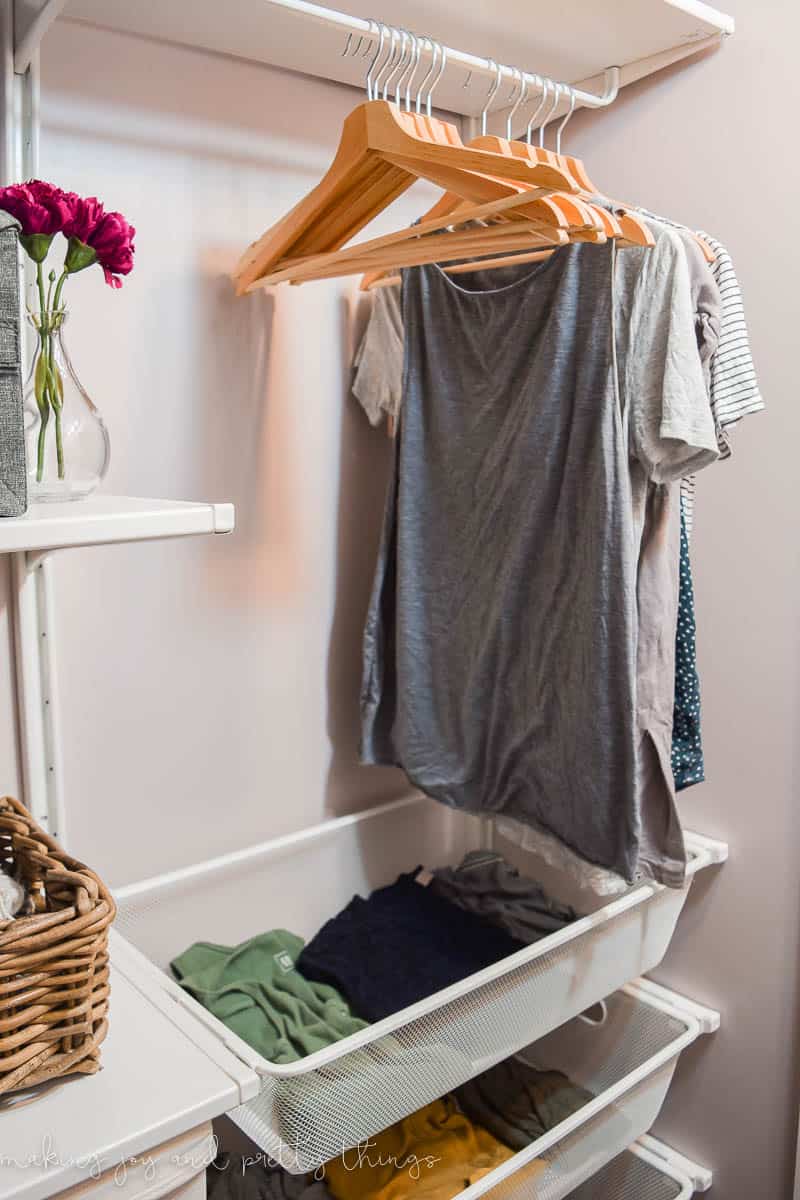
(571, 43)
(100, 520)
(155, 1084)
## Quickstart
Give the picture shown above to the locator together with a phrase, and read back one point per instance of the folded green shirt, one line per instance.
(256, 990)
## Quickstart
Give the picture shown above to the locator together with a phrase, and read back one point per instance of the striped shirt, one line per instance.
(734, 390)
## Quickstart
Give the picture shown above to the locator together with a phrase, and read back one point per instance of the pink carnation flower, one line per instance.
(39, 207)
(83, 215)
(93, 234)
(112, 240)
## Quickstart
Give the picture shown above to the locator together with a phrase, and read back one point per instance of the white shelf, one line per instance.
(99, 520)
(573, 42)
(155, 1084)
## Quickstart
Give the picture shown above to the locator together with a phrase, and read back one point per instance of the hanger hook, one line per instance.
(544, 84)
(493, 90)
(385, 62)
(524, 89)
(414, 69)
(387, 67)
(516, 82)
(429, 73)
(563, 123)
(410, 71)
(553, 107)
(378, 53)
(435, 84)
(405, 58)
(397, 67)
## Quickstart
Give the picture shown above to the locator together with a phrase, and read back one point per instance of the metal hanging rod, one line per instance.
(356, 27)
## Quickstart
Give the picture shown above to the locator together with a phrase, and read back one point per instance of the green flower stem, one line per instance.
(57, 383)
(59, 289)
(40, 446)
(48, 384)
(41, 380)
(59, 445)
(42, 403)
(40, 286)
(57, 404)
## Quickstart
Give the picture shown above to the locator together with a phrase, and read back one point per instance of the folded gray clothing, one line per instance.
(487, 885)
(517, 1103)
(232, 1177)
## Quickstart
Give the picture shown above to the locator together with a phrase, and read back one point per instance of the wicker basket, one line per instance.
(54, 963)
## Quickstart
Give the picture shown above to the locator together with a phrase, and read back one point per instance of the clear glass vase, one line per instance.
(66, 442)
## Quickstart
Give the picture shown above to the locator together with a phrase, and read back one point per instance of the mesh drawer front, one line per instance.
(307, 1118)
(317, 1115)
(631, 1178)
(581, 1155)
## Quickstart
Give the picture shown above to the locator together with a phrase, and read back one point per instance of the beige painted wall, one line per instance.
(696, 143)
(210, 687)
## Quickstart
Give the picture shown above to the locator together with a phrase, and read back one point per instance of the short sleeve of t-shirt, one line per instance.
(378, 379)
(706, 304)
(663, 388)
(734, 387)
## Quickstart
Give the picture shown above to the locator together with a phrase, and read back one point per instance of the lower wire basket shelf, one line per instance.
(312, 1110)
(648, 1170)
(625, 1058)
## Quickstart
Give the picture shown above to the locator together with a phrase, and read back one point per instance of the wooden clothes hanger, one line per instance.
(625, 224)
(381, 153)
(564, 210)
(424, 242)
(533, 200)
(583, 221)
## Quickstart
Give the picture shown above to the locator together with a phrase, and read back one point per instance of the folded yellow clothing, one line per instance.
(431, 1155)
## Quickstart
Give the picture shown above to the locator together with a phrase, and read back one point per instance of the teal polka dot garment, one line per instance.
(687, 745)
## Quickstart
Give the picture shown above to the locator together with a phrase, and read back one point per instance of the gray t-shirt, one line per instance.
(501, 643)
(379, 358)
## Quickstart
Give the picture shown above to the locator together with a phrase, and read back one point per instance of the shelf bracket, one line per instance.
(35, 558)
(701, 1177)
(32, 19)
(37, 693)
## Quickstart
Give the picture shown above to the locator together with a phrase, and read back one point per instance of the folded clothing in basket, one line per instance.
(431, 1155)
(486, 884)
(401, 945)
(12, 897)
(518, 1103)
(256, 990)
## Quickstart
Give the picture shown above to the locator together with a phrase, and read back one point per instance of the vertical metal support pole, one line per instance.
(8, 114)
(37, 696)
(31, 576)
(28, 87)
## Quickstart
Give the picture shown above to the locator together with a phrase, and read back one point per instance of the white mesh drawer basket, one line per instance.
(312, 1110)
(649, 1170)
(625, 1054)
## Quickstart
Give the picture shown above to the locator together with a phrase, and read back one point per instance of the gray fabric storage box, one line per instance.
(13, 484)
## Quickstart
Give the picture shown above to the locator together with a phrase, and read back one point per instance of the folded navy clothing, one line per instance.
(402, 944)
